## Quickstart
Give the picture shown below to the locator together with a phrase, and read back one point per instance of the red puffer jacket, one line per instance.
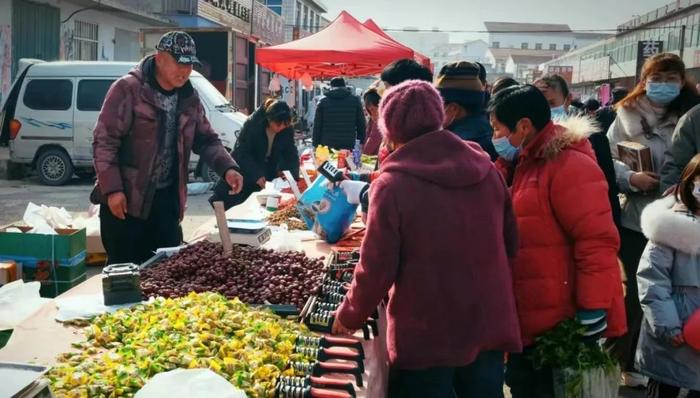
(567, 258)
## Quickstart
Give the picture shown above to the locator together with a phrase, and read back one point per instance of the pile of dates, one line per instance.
(255, 276)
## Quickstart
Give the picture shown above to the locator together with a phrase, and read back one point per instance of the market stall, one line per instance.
(40, 339)
(346, 47)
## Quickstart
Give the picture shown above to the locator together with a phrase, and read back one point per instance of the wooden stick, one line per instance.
(223, 227)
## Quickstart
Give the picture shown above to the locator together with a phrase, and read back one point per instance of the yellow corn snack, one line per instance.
(249, 347)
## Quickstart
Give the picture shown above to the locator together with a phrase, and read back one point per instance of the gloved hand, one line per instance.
(354, 190)
(595, 321)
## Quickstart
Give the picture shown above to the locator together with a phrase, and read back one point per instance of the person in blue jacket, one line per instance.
(464, 97)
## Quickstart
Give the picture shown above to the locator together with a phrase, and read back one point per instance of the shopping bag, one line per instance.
(325, 210)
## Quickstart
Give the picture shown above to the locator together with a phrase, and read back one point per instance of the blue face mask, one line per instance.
(663, 93)
(505, 149)
(558, 113)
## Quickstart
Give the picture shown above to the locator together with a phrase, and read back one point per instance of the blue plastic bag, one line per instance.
(326, 211)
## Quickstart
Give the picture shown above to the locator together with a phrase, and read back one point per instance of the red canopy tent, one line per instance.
(345, 47)
(420, 58)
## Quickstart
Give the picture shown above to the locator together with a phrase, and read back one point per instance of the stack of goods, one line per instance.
(251, 348)
(256, 276)
(318, 312)
(288, 214)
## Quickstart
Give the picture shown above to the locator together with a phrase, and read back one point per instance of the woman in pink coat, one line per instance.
(439, 237)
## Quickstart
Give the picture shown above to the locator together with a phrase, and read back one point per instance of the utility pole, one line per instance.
(682, 45)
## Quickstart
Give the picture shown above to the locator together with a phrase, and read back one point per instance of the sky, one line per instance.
(470, 14)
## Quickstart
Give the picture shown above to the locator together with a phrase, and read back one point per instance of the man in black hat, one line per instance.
(151, 120)
(340, 118)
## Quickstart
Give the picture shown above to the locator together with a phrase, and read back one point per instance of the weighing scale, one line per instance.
(249, 232)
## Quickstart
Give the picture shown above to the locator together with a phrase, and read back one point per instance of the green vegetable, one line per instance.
(564, 348)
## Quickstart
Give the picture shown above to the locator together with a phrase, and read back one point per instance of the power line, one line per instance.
(613, 30)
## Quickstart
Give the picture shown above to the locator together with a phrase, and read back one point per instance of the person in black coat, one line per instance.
(340, 118)
(265, 148)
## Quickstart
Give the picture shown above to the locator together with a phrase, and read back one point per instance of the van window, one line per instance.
(48, 94)
(91, 94)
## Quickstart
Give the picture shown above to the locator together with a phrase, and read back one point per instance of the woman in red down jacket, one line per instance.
(566, 266)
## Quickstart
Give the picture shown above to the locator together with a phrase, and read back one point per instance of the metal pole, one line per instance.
(682, 46)
(257, 85)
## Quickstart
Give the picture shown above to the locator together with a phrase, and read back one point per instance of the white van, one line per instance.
(52, 109)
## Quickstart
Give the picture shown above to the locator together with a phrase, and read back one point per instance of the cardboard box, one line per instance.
(57, 261)
(93, 244)
(635, 155)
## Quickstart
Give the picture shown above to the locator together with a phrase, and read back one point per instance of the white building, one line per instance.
(72, 30)
(474, 51)
(536, 36)
(425, 42)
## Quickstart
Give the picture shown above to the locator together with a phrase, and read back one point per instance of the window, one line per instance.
(318, 22)
(306, 17)
(553, 47)
(567, 47)
(274, 5)
(298, 17)
(496, 44)
(91, 94)
(85, 41)
(523, 46)
(538, 46)
(48, 94)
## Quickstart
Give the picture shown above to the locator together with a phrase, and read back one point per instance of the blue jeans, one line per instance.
(483, 378)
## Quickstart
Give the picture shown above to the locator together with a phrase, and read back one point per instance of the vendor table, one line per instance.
(40, 338)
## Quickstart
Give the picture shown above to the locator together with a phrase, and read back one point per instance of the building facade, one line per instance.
(536, 36)
(65, 30)
(302, 17)
(614, 60)
(425, 42)
(474, 51)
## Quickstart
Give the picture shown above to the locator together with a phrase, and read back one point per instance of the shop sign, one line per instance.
(647, 49)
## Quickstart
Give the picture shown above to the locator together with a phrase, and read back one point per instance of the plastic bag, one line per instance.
(283, 241)
(19, 300)
(326, 211)
(192, 383)
(592, 383)
(84, 307)
(45, 219)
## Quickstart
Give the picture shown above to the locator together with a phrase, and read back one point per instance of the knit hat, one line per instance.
(459, 82)
(337, 82)
(409, 110)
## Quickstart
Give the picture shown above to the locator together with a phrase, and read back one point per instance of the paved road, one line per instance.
(15, 194)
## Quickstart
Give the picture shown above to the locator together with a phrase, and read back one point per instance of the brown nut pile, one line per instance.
(288, 215)
(255, 276)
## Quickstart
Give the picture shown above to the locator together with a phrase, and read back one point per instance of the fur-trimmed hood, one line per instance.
(568, 133)
(632, 118)
(663, 224)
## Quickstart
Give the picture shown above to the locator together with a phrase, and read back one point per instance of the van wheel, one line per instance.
(207, 174)
(54, 167)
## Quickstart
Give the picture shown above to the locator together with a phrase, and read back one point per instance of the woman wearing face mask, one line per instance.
(669, 288)
(648, 116)
(264, 148)
(566, 265)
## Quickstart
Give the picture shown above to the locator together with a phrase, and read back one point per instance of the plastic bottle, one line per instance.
(357, 153)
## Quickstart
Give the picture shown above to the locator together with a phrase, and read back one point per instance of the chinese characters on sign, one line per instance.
(647, 49)
(232, 7)
(567, 72)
